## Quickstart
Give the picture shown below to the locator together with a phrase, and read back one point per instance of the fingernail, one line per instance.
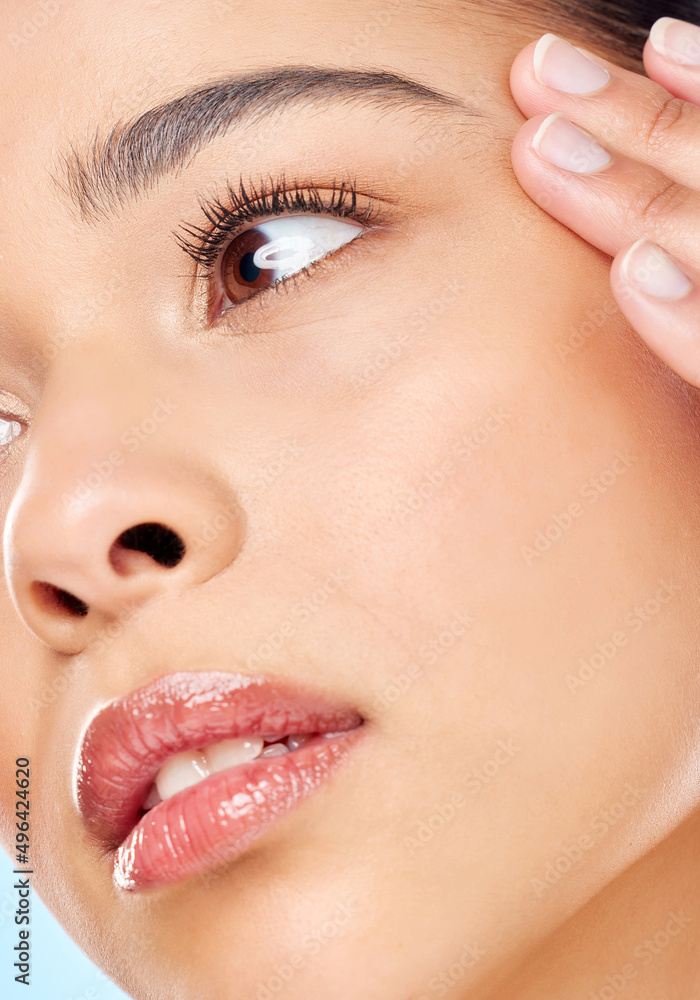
(564, 145)
(678, 41)
(562, 67)
(650, 269)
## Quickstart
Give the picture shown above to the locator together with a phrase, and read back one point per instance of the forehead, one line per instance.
(69, 64)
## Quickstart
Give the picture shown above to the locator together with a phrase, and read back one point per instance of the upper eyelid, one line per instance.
(228, 219)
(13, 409)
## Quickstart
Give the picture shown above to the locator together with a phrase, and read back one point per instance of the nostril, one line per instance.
(156, 540)
(55, 599)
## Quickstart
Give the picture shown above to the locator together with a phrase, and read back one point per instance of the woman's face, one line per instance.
(432, 478)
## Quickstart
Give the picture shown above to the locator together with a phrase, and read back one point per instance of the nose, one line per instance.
(95, 532)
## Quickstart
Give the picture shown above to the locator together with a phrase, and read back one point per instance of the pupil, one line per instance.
(249, 271)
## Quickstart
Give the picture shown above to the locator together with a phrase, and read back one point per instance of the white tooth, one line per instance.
(153, 798)
(274, 750)
(298, 740)
(271, 738)
(181, 771)
(228, 753)
(332, 736)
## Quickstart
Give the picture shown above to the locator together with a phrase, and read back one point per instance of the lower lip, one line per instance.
(217, 819)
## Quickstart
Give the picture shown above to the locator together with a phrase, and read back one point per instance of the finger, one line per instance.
(608, 199)
(662, 303)
(672, 57)
(627, 112)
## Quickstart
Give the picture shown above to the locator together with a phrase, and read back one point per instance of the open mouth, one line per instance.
(190, 770)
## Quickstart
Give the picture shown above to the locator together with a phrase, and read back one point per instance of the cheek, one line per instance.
(491, 476)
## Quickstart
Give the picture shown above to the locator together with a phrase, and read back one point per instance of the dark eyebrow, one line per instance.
(134, 154)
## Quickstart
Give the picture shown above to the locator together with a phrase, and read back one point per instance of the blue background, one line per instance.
(60, 970)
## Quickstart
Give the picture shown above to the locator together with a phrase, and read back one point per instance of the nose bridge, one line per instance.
(87, 430)
(113, 505)
(99, 421)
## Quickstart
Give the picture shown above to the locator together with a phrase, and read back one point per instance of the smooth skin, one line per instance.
(448, 442)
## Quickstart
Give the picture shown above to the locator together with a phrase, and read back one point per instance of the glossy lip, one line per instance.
(129, 740)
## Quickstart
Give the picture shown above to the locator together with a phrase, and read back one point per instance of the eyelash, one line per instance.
(227, 218)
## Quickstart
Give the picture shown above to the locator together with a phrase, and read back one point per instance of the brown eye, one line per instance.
(240, 275)
(261, 257)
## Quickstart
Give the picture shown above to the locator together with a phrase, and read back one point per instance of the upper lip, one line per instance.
(128, 741)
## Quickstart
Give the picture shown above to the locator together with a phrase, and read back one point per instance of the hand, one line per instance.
(630, 183)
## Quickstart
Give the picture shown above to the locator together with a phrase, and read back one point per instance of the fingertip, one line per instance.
(653, 294)
(522, 74)
(657, 34)
(523, 149)
(649, 269)
(540, 51)
(679, 74)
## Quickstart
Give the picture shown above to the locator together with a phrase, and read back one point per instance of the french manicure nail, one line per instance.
(564, 145)
(562, 67)
(650, 269)
(678, 41)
